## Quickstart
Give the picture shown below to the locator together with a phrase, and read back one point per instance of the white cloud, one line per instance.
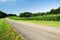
(6, 0)
(11, 0)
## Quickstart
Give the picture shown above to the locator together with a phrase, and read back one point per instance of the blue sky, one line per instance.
(17, 6)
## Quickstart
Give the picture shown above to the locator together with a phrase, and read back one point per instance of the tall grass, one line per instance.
(3, 27)
(54, 17)
(7, 32)
(48, 20)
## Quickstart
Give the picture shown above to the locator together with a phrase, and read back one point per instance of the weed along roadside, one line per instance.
(7, 32)
(15, 33)
(17, 36)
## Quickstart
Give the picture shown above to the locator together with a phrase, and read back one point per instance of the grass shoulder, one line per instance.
(7, 32)
(46, 23)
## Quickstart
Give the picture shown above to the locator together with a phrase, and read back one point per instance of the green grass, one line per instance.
(46, 23)
(53, 20)
(4, 27)
(52, 17)
(7, 32)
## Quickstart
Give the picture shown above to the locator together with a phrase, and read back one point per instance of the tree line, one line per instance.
(30, 14)
(3, 14)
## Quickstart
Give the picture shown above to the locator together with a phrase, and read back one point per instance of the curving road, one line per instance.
(31, 31)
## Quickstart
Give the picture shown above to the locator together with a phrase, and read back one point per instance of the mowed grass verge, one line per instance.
(7, 32)
(46, 23)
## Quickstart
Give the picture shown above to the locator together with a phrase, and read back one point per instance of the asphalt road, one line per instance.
(31, 31)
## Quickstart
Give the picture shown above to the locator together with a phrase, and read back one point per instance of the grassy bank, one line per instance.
(46, 23)
(48, 20)
(52, 17)
(6, 32)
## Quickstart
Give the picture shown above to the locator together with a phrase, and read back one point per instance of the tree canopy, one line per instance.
(26, 14)
(12, 15)
(3, 15)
